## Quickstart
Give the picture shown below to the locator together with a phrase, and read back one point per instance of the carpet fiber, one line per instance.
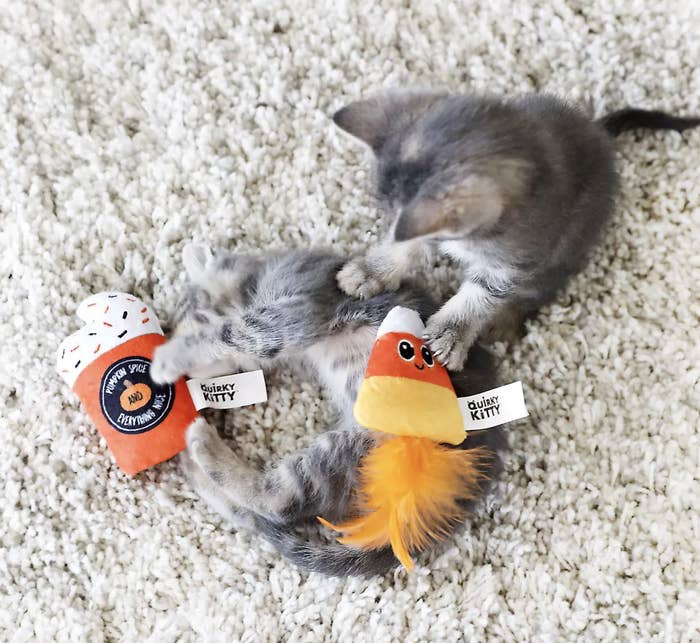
(129, 128)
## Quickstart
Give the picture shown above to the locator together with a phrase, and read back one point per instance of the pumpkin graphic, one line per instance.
(134, 396)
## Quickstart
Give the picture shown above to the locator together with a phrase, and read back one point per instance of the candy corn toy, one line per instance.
(107, 364)
(411, 484)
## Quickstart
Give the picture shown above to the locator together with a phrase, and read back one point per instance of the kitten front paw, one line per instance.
(166, 365)
(449, 342)
(356, 279)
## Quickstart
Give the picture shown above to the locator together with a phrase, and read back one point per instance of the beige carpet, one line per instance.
(129, 128)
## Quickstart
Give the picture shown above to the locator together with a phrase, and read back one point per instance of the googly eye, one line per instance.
(427, 356)
(406, 350)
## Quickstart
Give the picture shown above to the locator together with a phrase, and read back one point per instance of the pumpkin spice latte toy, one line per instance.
(107, 364)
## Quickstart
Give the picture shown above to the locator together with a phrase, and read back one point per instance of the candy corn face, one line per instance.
(405, 390)
(405, 355)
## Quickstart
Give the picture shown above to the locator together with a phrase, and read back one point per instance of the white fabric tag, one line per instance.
(228, 391)
(494, 407)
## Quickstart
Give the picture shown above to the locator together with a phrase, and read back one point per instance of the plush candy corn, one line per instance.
(412, 488)
(405, 390)
(107, 363)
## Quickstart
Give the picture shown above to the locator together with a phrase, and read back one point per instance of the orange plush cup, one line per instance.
(107, 363)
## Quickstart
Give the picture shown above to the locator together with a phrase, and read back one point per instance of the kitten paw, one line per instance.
(199, 434)
(449, 342)
(197, 259)
(194, 474)
(166, 366)
(356, 280)
(206, 448)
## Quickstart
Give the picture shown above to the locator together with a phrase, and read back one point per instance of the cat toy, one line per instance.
(412, 485)
(107, 364)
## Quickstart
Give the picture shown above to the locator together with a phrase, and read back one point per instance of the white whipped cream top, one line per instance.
(111, 318)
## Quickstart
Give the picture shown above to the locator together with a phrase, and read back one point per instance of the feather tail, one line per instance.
(410, 495)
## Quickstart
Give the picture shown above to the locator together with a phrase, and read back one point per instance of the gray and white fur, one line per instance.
(243, 312)
(518, 191)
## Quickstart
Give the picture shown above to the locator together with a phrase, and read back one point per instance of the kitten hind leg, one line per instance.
(225, 277)
(195, 307)
(219, 284)
(318, 480)
(202, 353)
(253, 337)
(197, 259)
(212, 494)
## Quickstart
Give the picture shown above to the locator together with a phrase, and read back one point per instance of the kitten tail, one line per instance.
(329, 559)
(631, 118)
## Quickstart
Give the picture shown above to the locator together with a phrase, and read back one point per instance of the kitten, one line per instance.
(242, 313)
(517, 190)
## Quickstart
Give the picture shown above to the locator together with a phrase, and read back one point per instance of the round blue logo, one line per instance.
(130, 400)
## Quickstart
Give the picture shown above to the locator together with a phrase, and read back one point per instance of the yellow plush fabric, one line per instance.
(409, 407)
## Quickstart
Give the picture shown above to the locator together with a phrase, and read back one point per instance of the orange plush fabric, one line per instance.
(151, 427)
(107, 363)
(386, 360)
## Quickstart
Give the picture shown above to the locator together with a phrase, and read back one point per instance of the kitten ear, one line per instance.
(370, 119)
(475, 202)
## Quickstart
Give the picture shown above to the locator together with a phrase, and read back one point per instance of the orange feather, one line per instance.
(409, 495)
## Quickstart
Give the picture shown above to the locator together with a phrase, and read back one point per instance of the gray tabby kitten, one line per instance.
(242, 313)
(518, 191)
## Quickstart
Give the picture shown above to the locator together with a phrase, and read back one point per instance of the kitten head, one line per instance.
(441, 172)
